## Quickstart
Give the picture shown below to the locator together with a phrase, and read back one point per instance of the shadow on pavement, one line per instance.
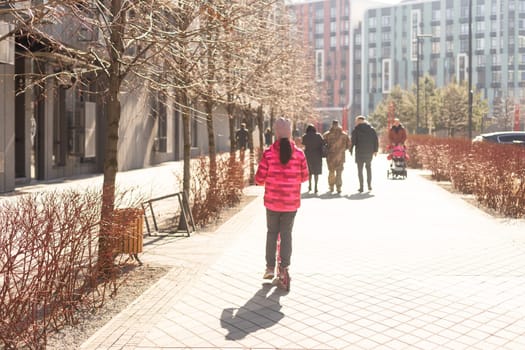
(359, 196)
(324, 195)
(261, 311)
(333, 195)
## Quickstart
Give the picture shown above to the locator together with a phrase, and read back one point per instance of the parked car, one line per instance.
(508, 137)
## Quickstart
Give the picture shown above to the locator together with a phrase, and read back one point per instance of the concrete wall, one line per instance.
(7, 134)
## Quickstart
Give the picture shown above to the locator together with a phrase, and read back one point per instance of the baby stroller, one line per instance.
(398, 166)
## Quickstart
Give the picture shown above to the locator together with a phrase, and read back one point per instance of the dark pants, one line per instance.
(279, 222)
(368, 166)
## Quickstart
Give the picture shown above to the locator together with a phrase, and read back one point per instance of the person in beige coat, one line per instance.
(338, 142)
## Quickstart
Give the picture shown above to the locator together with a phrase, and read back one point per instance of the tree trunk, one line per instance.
(186, 136)
(211, 140)
(107, 241)
(260, 125)
(231, 124)
(250, 124)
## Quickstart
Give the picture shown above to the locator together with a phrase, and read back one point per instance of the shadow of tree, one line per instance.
(259, 312)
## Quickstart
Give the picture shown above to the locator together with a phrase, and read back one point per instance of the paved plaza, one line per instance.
(407, 266)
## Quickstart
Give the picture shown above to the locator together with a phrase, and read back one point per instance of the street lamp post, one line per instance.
(419, 38)
(470, 92)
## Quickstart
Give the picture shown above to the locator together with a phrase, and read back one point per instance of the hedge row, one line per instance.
(493, 173)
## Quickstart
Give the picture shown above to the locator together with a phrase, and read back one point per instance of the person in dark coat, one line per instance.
(268, 137)
(364, 139)
(241, 137)
(313, 148)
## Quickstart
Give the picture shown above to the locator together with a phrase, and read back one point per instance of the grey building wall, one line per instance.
(7, 135)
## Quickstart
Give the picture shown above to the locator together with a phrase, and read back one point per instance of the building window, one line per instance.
(358, 39)
(463, 29)
(333, 41)
(333, 27)
(319, 43)
(480, 60)
(372, 22)
(480, 43)
(386, 37)
(461, 67)
(372, 38)
(480, 26)
(387, 75)
(463, 45)
(386, 51)
(436, 31)
(319, 13)
(496, 76)
(511, 76)
(385, 20)
(436, 47)
(333, 12)
(449, 30)
(464, 10)
(436, 14)
(345, 40)
(494, 43)
(319, 65)
(449, 13)
(371, 52)
(450, 46)
(319, 28)
(480, 10)
(521, 41)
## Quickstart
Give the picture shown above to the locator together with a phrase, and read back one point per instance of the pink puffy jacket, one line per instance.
(282, 182)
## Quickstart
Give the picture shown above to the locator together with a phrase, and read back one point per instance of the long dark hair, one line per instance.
(285, 151)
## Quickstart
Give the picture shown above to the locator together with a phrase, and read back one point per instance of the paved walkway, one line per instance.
(407, 266)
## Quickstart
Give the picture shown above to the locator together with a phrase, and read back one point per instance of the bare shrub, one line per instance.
(209, 197)
(48, 264)
(47, 258)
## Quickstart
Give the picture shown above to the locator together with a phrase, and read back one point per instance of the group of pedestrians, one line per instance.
(336, 141)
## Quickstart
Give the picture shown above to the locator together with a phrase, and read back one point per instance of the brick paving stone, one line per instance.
(448, 277)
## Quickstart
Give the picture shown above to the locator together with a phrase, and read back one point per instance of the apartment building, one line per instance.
(385, 48)
(324, 26)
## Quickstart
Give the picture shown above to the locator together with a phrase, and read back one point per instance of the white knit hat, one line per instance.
(282, 128)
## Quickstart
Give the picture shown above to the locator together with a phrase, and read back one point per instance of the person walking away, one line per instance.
(282, 170)
(397, 134)
(337, 142)
(364, 139)
(268, 137)
(241, 137)
(313, 148)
